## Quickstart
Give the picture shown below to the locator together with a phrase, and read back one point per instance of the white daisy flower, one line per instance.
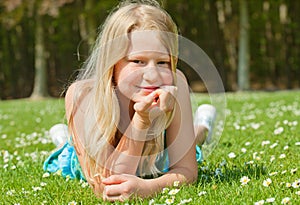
(244, 180)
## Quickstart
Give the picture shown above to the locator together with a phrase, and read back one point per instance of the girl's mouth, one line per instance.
(148, 89)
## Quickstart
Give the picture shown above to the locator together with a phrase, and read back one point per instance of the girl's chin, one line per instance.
(136, 96)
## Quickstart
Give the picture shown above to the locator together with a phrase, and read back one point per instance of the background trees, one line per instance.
(70, 27)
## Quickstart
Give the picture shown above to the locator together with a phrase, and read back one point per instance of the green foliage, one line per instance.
(71, 27)
(260, 141)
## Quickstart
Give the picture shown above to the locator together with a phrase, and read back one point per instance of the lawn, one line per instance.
(255, 162)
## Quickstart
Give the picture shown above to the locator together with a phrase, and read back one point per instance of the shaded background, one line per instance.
(255, 45)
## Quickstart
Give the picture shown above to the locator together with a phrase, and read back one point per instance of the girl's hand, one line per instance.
(166, 98)
(122, 187)
(153, 105)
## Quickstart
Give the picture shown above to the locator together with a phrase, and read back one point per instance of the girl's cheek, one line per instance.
(168, 80)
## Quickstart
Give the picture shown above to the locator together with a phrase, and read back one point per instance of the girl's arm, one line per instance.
(180, 135)
(126, 156)
(180, 143)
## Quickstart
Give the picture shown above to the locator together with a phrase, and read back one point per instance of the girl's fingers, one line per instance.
(167, 97)
(113, 179)
(117, 187)
(155, 104)
(163, 98)
(144, 105)
(121, 198)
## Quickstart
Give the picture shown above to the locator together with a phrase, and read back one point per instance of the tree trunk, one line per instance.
(217, 40)
(40, 78)
(243, 65)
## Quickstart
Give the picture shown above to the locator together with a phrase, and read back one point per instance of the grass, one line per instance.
(261, 141)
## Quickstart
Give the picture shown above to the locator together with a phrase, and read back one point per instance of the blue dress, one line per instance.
(65, 160)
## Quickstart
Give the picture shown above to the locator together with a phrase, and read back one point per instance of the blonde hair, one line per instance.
(111, 45)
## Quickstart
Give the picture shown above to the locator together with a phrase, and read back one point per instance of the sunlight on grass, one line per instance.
(256, 161)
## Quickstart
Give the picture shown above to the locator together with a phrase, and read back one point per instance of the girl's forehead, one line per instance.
(141, 41)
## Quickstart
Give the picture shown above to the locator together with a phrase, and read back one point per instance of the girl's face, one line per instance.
(146, 67)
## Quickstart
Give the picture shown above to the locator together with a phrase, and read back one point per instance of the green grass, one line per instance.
(252, 120)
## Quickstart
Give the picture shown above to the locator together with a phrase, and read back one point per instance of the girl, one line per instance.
(129, 113)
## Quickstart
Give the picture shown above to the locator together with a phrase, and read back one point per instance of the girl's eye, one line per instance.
(164, 64)
(137, 61)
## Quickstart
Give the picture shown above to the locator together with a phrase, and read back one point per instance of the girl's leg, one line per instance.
(203, 123)
(59, 134)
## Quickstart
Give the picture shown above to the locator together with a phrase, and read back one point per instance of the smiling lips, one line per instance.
(148, 89)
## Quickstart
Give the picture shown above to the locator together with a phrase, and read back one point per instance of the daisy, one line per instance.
(278, 131)
(174, 191)
(176, 183)
(185, 201)
(259, 202)
(265, 143)
(72, 203)
(169, 201)
(293, 171)
(255, 125)
(231, 155)
(296, 184)
(202, 193)
(285, 200)
(272, 158)
(36, 188)
(244, 180)
(247, 143)
(10, 192)
(282, 156)
(151, 202)
(250, 162)
(165, 190)
(273, 173)
(267, 182)
(270, 200)
(298, 193)
(273, 145)
(84, 184)
(257, 158)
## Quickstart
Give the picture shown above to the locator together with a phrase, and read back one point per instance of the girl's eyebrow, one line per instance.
(163, 56)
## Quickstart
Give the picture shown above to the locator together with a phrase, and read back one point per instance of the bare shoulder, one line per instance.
(180, 74)
(78, 85)
(74, 92)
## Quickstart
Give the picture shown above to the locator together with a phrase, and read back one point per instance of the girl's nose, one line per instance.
(151, 74)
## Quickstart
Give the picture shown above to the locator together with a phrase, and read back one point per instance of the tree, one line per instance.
(42, 8)
(40, 88)
(244, 54)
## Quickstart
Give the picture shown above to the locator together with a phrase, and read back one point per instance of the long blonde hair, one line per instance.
(111, 45)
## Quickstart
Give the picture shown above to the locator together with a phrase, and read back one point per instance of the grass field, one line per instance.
(257, 160)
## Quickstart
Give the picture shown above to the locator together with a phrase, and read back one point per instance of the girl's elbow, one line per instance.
(192, 176)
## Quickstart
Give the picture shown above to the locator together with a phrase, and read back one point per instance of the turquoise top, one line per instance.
(65, 160)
